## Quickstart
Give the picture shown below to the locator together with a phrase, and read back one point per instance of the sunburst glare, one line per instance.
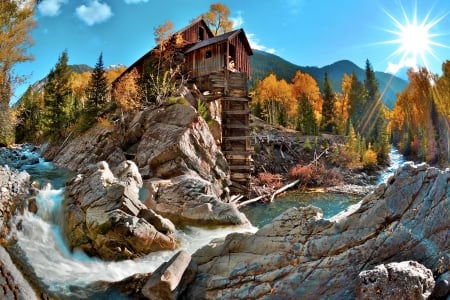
(416, 39)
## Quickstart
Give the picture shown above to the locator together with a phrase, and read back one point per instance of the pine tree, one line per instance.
(357, 98)
(56, 95)
(306, 121)
(327, 123)
(97, 90)
(371, 119)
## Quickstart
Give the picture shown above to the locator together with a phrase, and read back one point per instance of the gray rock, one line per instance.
(442, 286)
(171, 278)
(13, 185)
(170, 143)
(14, 285)
(105, 218)
(189, 199)
(404, 280)
(302, 255)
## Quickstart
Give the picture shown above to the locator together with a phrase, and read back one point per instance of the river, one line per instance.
(67, 274)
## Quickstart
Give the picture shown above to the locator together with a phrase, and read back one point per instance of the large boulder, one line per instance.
(401, 281)
(188, 199)
(98, 144)
(169, 143)
(302, 255)
(104, 217)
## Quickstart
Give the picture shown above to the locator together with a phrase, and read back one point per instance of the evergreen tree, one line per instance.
(56, 94)
(306, 121)
(357, 99)
(327, 123)
(372, 121)
(97, 90)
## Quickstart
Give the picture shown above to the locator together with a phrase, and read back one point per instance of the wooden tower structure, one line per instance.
(219, 66)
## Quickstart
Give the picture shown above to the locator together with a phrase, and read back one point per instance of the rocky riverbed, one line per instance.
(172, 154)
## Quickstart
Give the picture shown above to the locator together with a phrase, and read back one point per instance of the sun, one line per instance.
(415, 39)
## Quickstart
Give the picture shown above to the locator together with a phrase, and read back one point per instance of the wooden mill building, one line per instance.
(219, 66)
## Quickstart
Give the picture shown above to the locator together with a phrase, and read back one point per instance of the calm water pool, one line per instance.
(261, 214)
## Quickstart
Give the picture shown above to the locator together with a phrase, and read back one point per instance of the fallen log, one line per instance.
(272, 197)
(241, 204)
(287, 186)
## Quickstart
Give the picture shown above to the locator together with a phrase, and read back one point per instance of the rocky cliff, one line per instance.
(302, 255)
(185, 172)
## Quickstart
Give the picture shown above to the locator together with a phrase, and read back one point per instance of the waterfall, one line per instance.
(67, 273)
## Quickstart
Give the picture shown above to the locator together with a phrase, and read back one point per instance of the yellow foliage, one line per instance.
(276, 96)
(114, 73)
(217, 18)
(304, 85)
(127, 92)
(369, 158)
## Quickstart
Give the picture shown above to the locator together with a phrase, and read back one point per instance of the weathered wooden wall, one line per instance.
(231, 89)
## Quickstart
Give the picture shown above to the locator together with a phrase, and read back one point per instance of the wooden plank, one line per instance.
(236, 126)
(241, 168)
(236, 138)
(237, 112)
(235, 99)
(240, 177)
(233, 152)
(232, 158)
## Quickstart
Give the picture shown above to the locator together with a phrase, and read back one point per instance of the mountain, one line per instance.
(262, 63)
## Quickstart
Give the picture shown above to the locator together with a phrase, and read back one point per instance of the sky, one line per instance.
(304, 32)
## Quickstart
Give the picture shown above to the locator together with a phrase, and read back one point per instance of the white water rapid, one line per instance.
(396, 159)
(60, 270)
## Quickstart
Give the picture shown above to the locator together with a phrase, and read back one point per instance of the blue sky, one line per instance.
(304, 32)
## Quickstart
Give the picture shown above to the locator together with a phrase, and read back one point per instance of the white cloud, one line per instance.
(238, 21)
(254, 43)
(393, 68)
(51, 8)
(94, 12)
(135, 1)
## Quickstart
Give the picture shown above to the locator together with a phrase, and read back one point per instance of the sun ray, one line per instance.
(415, 39)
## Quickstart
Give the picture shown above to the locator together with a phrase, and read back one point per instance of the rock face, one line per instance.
(13, 184)
(176, 155)
(402, 281)
(190, 199)
(14, 285)
(105, 218)
(302, 255)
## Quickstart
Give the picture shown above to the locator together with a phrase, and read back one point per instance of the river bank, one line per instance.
(73, 274)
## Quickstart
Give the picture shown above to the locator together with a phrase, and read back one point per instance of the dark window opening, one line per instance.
(201, 33)
(208, 54)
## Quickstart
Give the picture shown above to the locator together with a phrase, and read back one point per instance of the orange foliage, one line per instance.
(114, 73)
(301, 172)
(271, 180)
(127, 92)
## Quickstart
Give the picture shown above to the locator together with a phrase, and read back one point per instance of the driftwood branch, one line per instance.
(239, 205)
(317, 157)
(287, 186)
(272, 197)
(236, 198)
